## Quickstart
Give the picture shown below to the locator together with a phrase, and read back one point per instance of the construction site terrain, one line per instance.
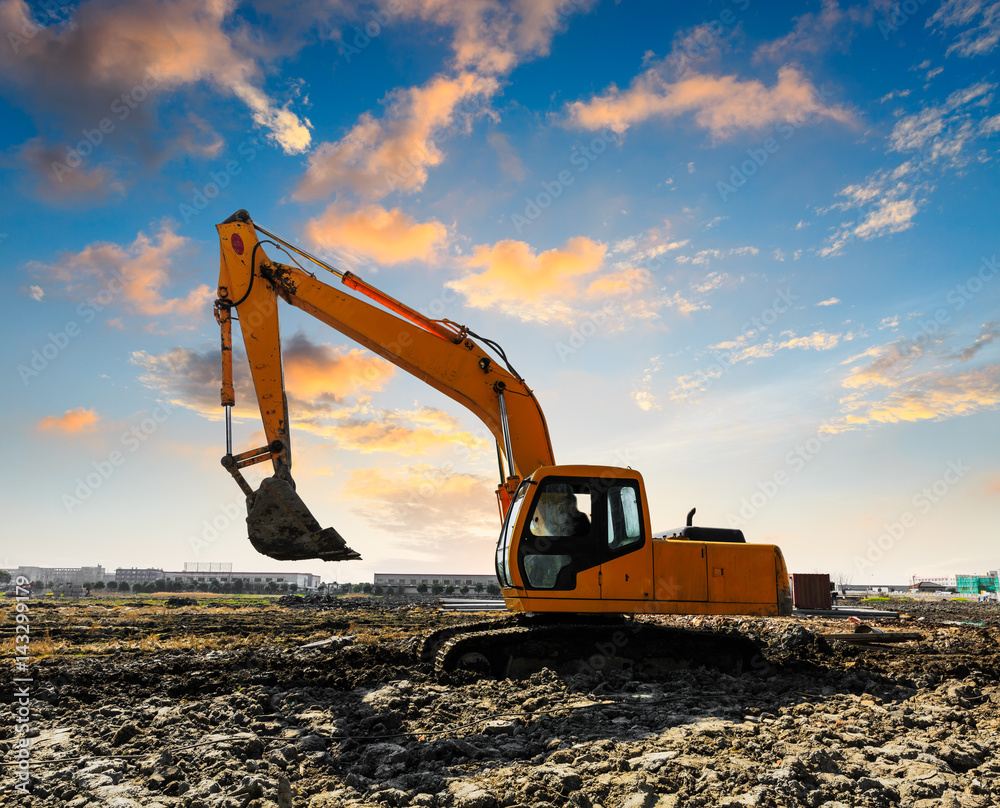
(322, 703)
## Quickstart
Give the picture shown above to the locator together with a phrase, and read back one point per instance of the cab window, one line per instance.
(624, 524)
(562, 509)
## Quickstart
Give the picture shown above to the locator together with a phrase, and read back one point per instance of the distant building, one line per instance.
(947, 582)
(410, 581)
(77, 576)
(134, 575)
(966, 584)
(195, 573)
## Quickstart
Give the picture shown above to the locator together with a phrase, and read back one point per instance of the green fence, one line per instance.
(974, 584)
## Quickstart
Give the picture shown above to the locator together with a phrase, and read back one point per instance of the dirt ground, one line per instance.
(217, 705)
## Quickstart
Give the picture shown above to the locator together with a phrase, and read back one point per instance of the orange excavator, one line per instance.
(575, 540)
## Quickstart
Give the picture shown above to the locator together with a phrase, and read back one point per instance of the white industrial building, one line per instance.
(411, 580)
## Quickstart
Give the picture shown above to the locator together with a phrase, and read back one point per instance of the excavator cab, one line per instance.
(578, 539)
(566, 526)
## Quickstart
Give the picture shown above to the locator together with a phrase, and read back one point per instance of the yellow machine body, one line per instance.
(578, 539)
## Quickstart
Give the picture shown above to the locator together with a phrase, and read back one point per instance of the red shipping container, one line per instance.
(811, 590)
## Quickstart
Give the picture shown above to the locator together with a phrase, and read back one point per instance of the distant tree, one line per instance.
(238, 586)
(479, 588)
(284, 587)
(345, 588)
(493, 589)
(86, 584)
(123, 586)
(449, 589)
(99, 585)
(272, 586)
(437, 589)
(4, 577)
(320, 588)
(294, 587)
(177, 586)
(464, 590)
(161, 585)
(422, 588)
(378, 590)
(215, 586)
(367, 587)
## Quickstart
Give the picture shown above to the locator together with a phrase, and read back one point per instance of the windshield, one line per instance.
(503, 545)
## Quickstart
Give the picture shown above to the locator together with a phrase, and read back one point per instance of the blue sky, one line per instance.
(748, 252)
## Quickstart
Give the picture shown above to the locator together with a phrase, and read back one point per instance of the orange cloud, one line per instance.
(378, 157)
(492, 36)
(435, 508)
(928, 396)
(724, 105)
(529, 286)
(405, 432)
(135, 276)
(891, 386)
(324, 383)
(372, 232)
(316, 371)
(72, 422)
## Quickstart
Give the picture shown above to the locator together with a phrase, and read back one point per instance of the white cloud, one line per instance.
(641, 392)
(723, 104)
(937, 139)
(977, 21)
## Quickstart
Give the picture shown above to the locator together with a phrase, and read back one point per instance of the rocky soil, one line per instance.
(216, 705)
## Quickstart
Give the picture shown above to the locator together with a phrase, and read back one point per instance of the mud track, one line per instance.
(216, 705)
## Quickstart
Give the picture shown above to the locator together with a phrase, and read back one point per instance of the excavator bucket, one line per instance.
(280, 525)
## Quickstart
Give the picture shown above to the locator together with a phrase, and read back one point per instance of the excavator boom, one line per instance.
(438, 352)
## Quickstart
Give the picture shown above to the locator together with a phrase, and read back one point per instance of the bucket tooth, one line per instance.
(281, 526)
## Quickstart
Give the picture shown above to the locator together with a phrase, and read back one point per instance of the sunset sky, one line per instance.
(751, 254)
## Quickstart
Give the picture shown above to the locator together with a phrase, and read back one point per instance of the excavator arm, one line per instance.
(438, 352)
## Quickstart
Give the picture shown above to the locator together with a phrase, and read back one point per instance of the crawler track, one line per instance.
(520, 650)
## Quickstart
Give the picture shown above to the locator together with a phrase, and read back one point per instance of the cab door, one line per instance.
(627, 561)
